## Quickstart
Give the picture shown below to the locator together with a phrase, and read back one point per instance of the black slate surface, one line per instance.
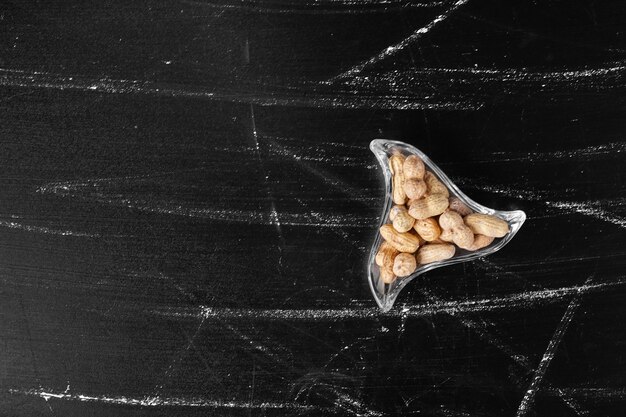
(187, 201)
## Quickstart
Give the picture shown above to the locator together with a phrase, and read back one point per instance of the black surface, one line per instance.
(188, 199)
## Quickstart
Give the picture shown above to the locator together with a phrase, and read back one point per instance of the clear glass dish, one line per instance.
(386, 294)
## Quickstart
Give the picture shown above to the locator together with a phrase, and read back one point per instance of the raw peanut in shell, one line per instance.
(485, 224)
(434, 252)
(386, 254)
(403, 242)
(400, 219)
(387, 259)
(396, 163)
(455, 230)
(429, 206)
(393, 212)
(428, 229)
(404, 264)
(414, 167)
(434, 185)
(457, 205)
(387, 275)
(480, 241)
(446, 236)
(414, 233)
(414, 188)
(411, 201)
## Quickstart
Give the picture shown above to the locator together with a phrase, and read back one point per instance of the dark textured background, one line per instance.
(187, 201)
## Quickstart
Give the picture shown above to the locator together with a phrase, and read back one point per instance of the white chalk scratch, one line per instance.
(591, 393)
(480, 328)
(178, 358)
(355, 406)
(478, 86)
(91, 190)
(307, 96)
(526, 74)
(154, 401)
(399, 80)
(611, 148)
(341, 351)
(273, 214)
(480, 305)
(591, 209)
(334, 143)
(61, 187)
(357, 194)
(555, 340)
(596, 209)
(394, 49)
(254, 344)
(319, 6)
(323, 152)
(45, 230)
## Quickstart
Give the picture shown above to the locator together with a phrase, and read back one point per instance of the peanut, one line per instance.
(439, 240)
(434, 185)
(411, 201)
(434, 253)
(396, 163)
(387, 275)
(400, 218)
(459, 206)
(403, 242)
(404, 264)
(428, 229)
(429, 206)
(413, 170)
(384, 259)
(480, 241)
(455, 230)
(417, 235)
(446, 236)
(386, 254)
(485, 224)
(414, 167)
(414, 188)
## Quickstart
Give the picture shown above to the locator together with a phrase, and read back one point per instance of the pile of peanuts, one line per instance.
(427, 225)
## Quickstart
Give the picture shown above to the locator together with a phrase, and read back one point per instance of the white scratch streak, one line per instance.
(158, 401)
(44, 230)
(548, 355)
(589, 209)
(520, 300)
(586, 208)
(393, 49)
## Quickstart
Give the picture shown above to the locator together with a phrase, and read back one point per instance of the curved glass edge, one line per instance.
(385, 294)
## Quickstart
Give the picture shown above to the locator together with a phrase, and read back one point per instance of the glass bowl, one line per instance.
(386, 294)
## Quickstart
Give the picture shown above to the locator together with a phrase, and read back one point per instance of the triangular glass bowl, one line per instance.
(386, 294)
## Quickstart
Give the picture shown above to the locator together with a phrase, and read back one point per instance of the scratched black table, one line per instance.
(188, 202)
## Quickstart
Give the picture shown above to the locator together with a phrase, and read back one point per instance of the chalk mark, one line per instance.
(522, 361)
(88, 190)
(45, 230)
(587, 208)
(394, 49)
(478, 305)
(594, 151)
(597, 394)
(320, 7)
(150, 401)
(555, 340)
(355, 194)
(304, 95)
